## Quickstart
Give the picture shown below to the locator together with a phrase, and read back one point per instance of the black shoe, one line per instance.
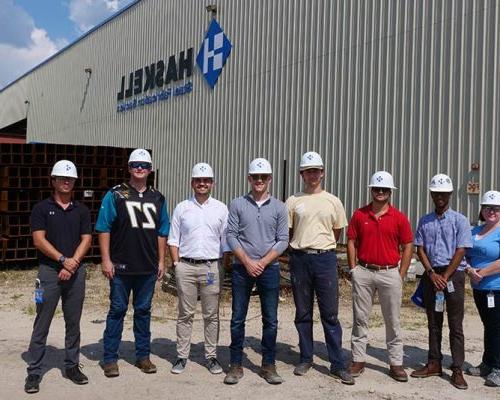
(342, 375)
(32, 384)
(75, 375)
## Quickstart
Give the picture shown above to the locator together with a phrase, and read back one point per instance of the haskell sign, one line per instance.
(211, 58)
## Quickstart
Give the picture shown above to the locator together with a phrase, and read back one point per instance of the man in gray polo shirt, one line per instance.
(257, 234)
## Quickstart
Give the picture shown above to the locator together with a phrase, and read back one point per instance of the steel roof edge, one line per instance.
(111, 17)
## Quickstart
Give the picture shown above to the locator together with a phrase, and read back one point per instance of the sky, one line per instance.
(33, 30)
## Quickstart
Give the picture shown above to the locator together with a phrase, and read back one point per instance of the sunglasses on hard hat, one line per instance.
(140, 164)
(494, 209)
(381, 189)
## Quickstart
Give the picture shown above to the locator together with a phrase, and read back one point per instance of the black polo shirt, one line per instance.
(63, 227)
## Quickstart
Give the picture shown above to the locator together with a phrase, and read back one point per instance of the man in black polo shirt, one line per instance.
(62, 234)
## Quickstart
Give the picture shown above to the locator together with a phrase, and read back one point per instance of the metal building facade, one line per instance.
(412, 87)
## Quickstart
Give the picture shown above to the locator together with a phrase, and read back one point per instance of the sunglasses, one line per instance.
(64, 179)
(491, 209)
(138, 164)
(262, 177)
(202, 180)
(381, 189)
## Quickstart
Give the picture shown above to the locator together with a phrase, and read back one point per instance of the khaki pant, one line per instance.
(190, 279)
(388, 284)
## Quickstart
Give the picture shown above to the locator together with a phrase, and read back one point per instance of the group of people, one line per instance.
(135, 231)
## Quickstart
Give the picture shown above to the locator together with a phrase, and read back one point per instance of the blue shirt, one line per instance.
(256, 229)
(484, 252)
(441, 236)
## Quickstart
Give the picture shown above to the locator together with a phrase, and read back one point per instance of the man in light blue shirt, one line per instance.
(442, 238)
(257, 233)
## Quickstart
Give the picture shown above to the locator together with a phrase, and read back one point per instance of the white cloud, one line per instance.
(88, 13)
(22, 44)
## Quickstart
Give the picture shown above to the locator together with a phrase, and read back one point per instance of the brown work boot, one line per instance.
(457, 379)
(432, 368)
(357, 368)
(234, 374)
(111, 370)
(146, 366)
(397, 372)
(269, 373)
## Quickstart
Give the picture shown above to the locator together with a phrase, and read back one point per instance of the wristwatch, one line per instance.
(61, 259)
(430, 272)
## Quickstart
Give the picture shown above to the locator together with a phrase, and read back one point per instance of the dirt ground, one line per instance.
(17, 314)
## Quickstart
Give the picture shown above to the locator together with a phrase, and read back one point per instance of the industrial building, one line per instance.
(412, 87)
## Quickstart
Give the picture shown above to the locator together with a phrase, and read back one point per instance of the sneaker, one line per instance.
(269, 373)
(342, 375)
(302, 368)
(75, 375)
(32, 384)
(234, 374)
(179, 366)
(481, 370)
(146, 366)
(111, 370)
(493, 378)
(213, 366)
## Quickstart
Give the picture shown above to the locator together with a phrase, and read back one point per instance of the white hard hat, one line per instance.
(491, 198)
(202, 170)
(311, 159)
(441, 183)
(259, 166)
(140, 155)
(64, 168)
(382, 179)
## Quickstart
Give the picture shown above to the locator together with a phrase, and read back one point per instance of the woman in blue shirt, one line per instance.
(484, 258)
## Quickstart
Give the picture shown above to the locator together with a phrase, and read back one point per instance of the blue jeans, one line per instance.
(268, 285)
(142, 287)
(317, 273)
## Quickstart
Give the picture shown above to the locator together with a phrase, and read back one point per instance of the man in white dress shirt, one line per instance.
(196, 243)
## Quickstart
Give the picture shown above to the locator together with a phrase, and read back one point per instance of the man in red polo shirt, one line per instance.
(375, 234)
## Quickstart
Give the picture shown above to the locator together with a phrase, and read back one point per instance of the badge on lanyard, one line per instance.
(210, 275)
(450, 287)
(491, 300)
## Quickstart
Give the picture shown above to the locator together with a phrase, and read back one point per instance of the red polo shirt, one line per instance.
(378, 238)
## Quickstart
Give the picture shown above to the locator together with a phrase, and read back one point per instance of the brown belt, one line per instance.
(375, 267)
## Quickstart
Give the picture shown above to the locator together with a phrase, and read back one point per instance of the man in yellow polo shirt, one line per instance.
(315, 220)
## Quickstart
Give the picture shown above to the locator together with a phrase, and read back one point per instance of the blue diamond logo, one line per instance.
(213, 53)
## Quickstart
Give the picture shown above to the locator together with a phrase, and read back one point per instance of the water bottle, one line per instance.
(439, 301)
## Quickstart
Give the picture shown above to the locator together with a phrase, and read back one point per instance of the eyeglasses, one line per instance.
(262, 177)
(491, 209)
(139, 164)
(381, 189)
(203, 180)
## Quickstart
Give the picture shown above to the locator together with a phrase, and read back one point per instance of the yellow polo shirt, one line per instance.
(313, 217)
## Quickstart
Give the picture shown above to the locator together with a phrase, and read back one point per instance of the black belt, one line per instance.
(375, 267)
(313, 251)
(195, 261)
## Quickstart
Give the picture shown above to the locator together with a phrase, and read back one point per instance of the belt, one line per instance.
(375, 267)
(313, 251)
(195, 261)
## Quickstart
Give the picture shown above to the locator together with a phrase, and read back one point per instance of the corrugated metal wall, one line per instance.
(408, 86)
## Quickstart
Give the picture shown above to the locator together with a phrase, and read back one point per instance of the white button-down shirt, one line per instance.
(199, 230)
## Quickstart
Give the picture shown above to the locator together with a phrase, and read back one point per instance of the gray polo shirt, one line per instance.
(257, 229)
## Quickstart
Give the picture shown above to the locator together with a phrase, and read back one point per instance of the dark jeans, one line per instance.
(268, 285)
(454, 309)
(142, 287)
(317, 273)
(491, 322)
(72, 293)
